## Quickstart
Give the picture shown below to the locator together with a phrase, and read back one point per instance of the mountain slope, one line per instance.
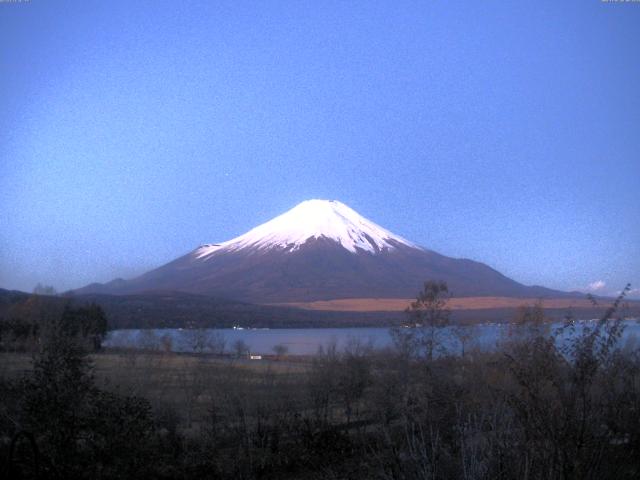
(318, 250)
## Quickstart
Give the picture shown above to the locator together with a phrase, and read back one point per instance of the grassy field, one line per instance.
(186, 383)
(460, 303)
(360, 414)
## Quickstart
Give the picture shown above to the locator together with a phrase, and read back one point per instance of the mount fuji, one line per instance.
(318, 250)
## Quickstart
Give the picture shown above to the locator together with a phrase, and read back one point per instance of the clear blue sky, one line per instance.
(507, 132)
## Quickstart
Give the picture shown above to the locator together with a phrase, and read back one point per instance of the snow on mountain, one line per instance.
(316, 219)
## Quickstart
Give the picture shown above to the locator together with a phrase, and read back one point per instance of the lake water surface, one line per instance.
(307, 341)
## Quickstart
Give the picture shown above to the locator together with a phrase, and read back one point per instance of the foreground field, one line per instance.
(535, 409)
(184, 383)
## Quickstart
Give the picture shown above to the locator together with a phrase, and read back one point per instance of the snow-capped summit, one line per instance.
(314, 219)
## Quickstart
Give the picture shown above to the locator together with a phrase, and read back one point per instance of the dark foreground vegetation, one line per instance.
(536, 409)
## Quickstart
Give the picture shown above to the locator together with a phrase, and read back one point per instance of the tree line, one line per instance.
(24, 326)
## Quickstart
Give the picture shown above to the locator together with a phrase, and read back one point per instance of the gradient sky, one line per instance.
(506, 132)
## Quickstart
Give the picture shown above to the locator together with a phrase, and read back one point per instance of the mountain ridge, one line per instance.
(319, 250)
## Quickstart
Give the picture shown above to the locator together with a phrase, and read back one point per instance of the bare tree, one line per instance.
(166, 342)
(240, 348)
(464, 334)
(429, 313)
(355, 374)
(200, 340)
(216, 342)
(529, 322)
(196, 339)
(405, 341)
(280, 350)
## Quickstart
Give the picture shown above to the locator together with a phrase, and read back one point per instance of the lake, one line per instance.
(307, 341)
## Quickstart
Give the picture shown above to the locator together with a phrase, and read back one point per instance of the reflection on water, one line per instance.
(307, 341)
